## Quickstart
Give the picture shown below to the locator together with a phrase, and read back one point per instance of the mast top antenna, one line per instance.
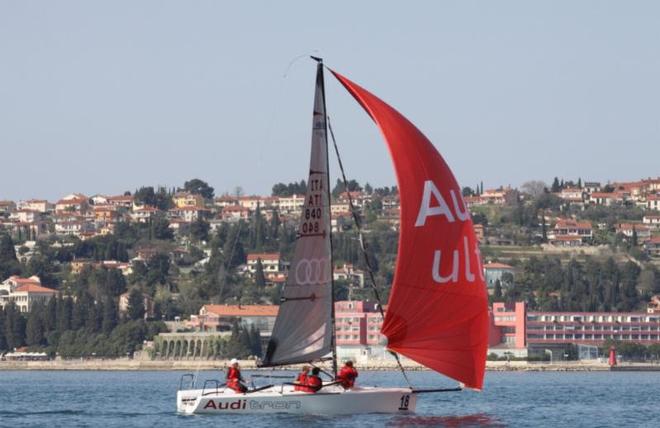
(317, 59)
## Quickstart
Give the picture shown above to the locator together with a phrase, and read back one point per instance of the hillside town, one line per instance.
(183, 273)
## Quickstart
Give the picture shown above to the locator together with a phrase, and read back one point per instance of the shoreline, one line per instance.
(188, 365)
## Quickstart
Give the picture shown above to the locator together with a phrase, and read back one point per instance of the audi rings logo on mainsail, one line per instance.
(313, 271)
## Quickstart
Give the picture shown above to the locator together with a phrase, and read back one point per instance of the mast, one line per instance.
(332, 264)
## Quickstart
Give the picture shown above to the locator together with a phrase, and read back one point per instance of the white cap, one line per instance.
(233, 361)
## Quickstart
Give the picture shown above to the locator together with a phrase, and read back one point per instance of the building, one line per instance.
(188, 214)
(121, 201)
(654, 305)
(39, 205)
(143, 214)
(291, 204)
(234, 213)
(653, 202)
(272, 263)
(493, 272)
(642, 231)
(500, 196)
(223, 317)
(573, 228)
(7, 207)
(24, 292)
(652, 221)
(591, 187)
(187, 199)
(652, 247)
(75, 202)
(606, 199)
(573, 195)
(514, 328)
(350, 274)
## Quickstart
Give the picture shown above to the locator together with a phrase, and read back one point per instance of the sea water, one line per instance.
(147, 399)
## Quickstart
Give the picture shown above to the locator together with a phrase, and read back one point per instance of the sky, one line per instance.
(104, 97)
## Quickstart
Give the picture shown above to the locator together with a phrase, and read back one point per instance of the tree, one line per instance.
(259, 277)
(353, 186)
(534, 188)
(199, 187)
(160, 228)
(64, 312)
(14, 326)
(34, 331)
(3, 341)
(158, 269)
(199, 230)
(135, 305)
(467, 191)
(497, 291)
(368, 189)
(8, 262)
(110, 315)
(556, 187)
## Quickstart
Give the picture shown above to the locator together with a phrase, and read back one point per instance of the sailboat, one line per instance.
(437, 312)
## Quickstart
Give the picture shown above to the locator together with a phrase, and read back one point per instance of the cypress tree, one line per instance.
(14, 326)
(497, 291)
(3, 341)
(34, 330)
(50, 316)
(135, 305)
(64, 312)
(110, 315)
(259, 277)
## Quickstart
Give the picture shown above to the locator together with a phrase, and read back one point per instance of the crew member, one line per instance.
(347, 375)
(234, 378)
(301, 380)
(314, 382)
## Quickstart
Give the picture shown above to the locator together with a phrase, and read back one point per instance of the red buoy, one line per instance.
(612, 360)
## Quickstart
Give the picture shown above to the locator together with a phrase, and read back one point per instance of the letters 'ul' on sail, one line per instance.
(438, 308)
(303, 328)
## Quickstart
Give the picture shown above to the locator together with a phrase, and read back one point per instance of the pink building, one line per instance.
(514, 327)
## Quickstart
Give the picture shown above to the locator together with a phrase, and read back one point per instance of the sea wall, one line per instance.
(134, 364)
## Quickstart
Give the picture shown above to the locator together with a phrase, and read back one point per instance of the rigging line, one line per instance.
(363, 245)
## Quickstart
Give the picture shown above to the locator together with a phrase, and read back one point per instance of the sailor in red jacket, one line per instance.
(301, 380)
(314, 382)
(234, 378)
(347, 375)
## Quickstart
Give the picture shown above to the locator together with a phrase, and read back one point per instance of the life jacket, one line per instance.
(347, 376)
(301, 381)
(314, 383)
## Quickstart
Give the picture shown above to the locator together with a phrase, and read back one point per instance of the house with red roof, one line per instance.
(24, 292)
(493, 272)
(571, 228)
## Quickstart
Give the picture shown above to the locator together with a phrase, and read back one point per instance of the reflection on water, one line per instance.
(477, 420)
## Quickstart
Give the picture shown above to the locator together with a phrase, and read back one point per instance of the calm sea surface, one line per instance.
(147, 399)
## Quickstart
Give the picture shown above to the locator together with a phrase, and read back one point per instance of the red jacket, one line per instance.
(347, 376)
(301, 381)
(314, 383)
(234, 379)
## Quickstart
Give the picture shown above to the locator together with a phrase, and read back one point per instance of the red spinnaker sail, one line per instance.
(438, 307)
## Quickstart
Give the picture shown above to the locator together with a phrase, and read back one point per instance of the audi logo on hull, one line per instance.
(313, 271)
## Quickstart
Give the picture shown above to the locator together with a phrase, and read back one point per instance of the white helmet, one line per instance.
(233, 361)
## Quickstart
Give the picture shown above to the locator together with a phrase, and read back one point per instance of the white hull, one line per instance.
(332, 400)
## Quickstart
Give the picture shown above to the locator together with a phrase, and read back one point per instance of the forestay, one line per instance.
(303, 328)
(437, 313)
